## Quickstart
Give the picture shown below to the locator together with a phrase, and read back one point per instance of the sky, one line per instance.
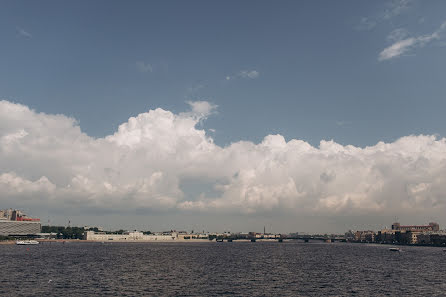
(300, 116)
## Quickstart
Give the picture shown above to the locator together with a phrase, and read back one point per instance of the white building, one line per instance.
(129, 236)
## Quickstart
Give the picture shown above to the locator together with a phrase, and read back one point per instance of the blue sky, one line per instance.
(233, 74)
(319, 76)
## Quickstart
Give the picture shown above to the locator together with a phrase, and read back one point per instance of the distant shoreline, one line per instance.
(62, 241)
(4, 242)
(49, 241)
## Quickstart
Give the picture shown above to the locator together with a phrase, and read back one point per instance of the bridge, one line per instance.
(304, 238)
(307, 238)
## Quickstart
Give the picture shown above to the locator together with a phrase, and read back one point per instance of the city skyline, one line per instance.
(308, 117)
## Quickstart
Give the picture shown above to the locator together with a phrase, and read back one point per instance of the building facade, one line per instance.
(432, 227)
(15, 222)
(10, 228)
(129, 236)
(364, 236)
(386, 236)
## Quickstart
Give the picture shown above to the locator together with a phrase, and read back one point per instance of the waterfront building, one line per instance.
(15, 222)
(10, 228)
(139, 236)
(414, 234)
(365, 236)
(438, 239)
(432, 238)
(424, 238)
(414, 228)
(186, 236)
(386, 236)
(349, 235)
(5, 213)
(263, 235)
(51, 235)
(129, 236)
(407, 237)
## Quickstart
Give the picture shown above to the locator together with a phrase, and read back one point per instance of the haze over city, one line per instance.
(304, 116)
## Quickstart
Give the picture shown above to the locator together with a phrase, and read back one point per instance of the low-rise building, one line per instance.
(51, 235)
(386, 236)
(431, 227)
(438, 239)
(186, 236)
(129, 236)
(139, 236)
(414, 234)
(365, 236)
(424, 238)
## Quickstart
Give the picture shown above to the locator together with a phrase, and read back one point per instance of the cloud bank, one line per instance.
(47, 160)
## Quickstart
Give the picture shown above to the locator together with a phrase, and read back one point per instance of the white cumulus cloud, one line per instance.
(46, 160)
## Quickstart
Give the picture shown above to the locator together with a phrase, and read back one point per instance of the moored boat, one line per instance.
(394, 249)
(26, 242)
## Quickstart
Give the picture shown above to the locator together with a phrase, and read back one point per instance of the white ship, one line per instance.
(26, 242)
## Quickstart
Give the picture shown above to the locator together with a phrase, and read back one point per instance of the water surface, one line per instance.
(211, 269)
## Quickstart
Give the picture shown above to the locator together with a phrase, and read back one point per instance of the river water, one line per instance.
(212, 269)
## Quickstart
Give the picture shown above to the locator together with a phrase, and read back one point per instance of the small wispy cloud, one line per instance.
(195, 88)
(396, 7)
(403, 46)
(366, 23)
(143, 67)
(393, 9)
(343, 123)
(397, 35)
(249, 74)
(22, 32)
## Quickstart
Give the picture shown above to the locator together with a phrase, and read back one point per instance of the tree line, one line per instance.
(65, 232)
(76, 232)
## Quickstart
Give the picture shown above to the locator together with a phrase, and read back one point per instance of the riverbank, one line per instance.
(119, 241)
(7, 242)
(148, 241)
